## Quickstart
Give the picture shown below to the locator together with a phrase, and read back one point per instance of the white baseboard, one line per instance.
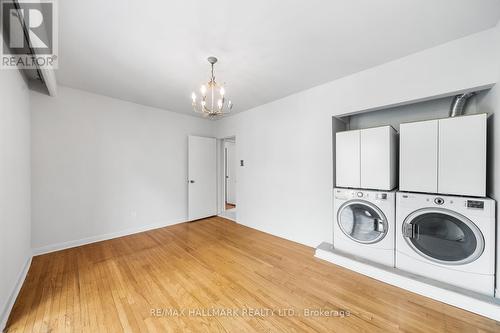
(464, 299)
(227, 217)
(4, 316)
(99, 238)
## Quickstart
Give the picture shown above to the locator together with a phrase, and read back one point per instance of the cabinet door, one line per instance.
(462, 155)
(418, 156)
(377, 157)
(347, 159)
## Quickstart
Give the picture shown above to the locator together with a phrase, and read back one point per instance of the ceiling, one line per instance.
(153, 52)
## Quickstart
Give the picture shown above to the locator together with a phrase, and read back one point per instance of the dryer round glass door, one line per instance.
(443, 236)
(362, 221)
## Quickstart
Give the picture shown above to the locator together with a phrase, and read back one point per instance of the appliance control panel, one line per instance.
(439, 201)
(349, 195)
(346, 194)
(475, 204)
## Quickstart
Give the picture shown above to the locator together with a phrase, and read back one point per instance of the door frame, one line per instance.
(221, 173)
(226, 184)
(224, 151)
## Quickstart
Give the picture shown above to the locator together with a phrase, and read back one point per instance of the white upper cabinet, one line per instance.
(378, 158)
(347, 151)
(462, 155)
(446, 156)
(367, 158)
(418, 156)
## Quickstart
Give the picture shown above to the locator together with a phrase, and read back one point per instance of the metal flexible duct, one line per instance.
(458, 104)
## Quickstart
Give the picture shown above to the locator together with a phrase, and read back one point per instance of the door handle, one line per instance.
(191, 181)
(411, 230)
(378, 225)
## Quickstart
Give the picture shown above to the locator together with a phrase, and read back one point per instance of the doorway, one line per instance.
(229, 178)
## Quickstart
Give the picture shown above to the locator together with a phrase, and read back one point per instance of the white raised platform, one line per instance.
(464, 299)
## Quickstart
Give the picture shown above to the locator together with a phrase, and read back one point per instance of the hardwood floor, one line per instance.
(131, 283)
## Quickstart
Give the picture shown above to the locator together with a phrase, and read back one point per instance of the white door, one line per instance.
(462, 155)
(231, 173)
(418, 156)
(347, 148)
(202, 177)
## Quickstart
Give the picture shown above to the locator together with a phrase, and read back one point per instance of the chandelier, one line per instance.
(213, 103)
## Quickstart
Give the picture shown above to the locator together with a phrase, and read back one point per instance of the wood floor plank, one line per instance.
(134, 284)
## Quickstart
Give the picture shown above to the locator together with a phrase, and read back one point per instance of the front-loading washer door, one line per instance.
(362, 221)
(443, 236)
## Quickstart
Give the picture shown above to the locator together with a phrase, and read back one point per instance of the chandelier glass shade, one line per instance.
(212, 102)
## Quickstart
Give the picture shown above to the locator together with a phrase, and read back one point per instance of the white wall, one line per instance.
(104, 166)
(285, 187)
(491, 104)
(15, 233)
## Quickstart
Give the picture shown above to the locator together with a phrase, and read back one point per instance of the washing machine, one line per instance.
(447, 238)
(364, 224)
